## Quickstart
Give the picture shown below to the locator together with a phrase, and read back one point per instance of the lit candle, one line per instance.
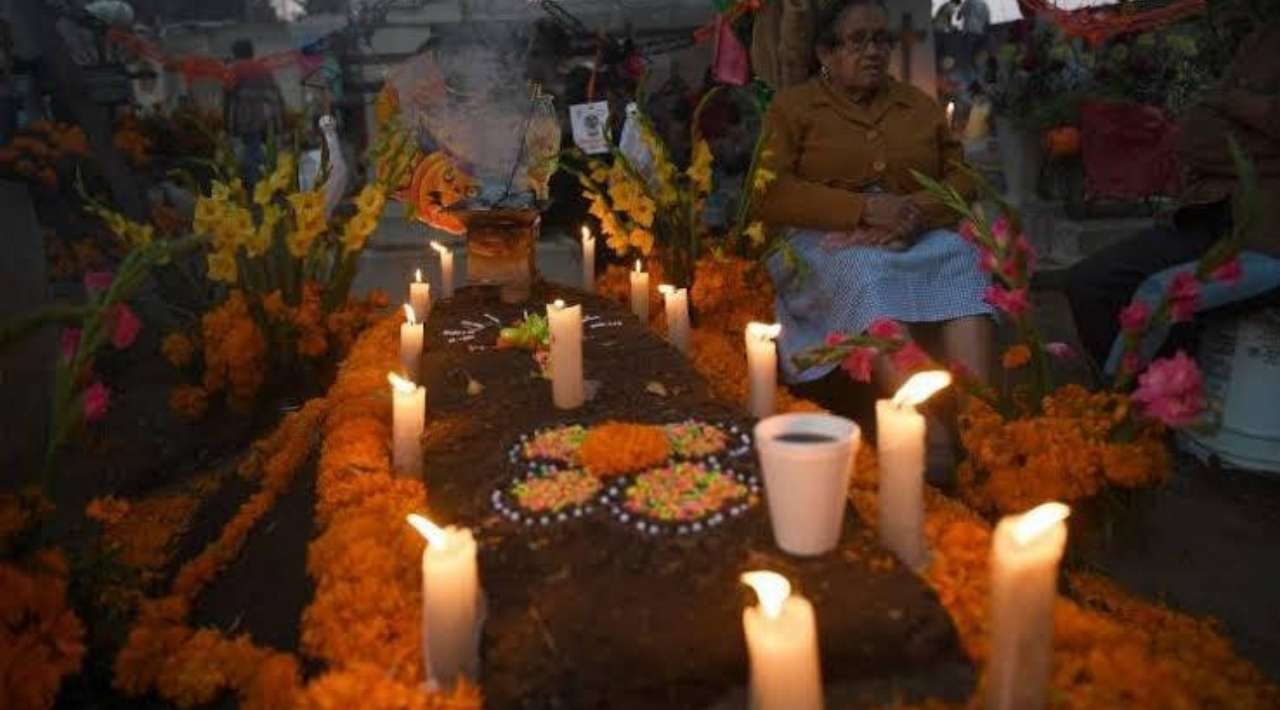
(1025, 552)
(565, 324)
(782, 644)
(640, 293)
(677, 304)
(408, 417)
(450, 603)
(762, 365)
(446, 269)
(411, 335)
(420, 295)
(951, 113)
(901, 454)
(588, 260)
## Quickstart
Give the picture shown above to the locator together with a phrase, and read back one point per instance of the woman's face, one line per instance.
(860, 60)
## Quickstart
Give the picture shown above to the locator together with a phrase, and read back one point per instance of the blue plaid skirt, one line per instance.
(844, 290)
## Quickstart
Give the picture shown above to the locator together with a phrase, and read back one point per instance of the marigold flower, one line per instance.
(190, 402)
(1016, 357)
(615, 448)
(107, 510)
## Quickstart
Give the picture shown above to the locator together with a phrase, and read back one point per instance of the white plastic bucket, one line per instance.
(1241, 363)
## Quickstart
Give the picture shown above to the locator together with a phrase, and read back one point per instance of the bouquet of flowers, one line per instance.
(646, 204)
(1037, 441)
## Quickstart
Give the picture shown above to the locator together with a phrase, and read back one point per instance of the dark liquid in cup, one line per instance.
(804, 437)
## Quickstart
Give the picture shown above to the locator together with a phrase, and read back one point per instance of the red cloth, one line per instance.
(731, 64)
(1129, 150)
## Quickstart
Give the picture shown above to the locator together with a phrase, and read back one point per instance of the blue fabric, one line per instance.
(1261, 274)
(844, 290)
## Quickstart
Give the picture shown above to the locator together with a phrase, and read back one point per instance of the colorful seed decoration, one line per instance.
(560, 444)
(693, 439)
(681, 498)
(555, 492)
(548, 495)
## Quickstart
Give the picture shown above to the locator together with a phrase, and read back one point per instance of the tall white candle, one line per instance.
(420, 296)
(951, 113)
(446, 269)
(588, 260)
(762, 368)
(782, 643)
(1025, 552)
(408, 418)
(411, 336)
(640, 293)
(677, 305)
(450, 603)
(901, 452)
(565, 324)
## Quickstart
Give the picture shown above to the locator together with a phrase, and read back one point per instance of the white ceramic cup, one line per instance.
(806, 483)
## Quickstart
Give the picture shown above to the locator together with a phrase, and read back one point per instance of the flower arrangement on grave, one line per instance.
(42, 152)
(284, 270)
(1037, 441)
(645, 201)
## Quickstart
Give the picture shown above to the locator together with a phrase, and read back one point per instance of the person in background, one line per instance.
(1246, 105)
(253, 109)
(843, 146)
(944, 19)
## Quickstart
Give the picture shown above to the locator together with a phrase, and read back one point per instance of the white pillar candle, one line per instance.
(408, 418)
(420, 296)
(677, 305)
(411, 336)
(762, 368)
(565, 324)
(640, 293)
(1025, 552)
(951, 113)
(588, 261)
(446, 269)
(782, 644)
(901, 452)
(450, 603)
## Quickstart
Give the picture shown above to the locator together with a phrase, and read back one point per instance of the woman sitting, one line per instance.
(843, 146)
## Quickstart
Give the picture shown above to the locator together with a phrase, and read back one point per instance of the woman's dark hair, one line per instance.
(828, 35)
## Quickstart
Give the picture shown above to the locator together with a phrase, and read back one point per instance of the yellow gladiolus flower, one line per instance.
(222, 267)
(643, 211)
(760, 181)
(357, 231)
(264, 191)
(371, 200)
(642, 240)
(755, 233)
(700, 167)
(299, 242)
(208, 212)
(600, 174)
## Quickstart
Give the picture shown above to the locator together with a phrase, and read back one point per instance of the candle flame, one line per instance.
(772, 589)
(1037, 521)
(433, 533)
(417, 275)
(764, 331)
(920, 387)
(400, 384)
(558, 304)
(409, 316)
(440, 248)
(638, 267)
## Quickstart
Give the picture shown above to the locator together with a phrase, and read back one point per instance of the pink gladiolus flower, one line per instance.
(1014, 302)
(988, 262)
(68, 343)
(909, 358)
(1129, 365)
(1172, 391)
(859, 363)
(1133, 317)
(96, 399)
(126, 327)
(1228, 273)
(97, 281)
(1062, 351)
(1002, 230)
(1184, 296)
(968, 231)
(834, 339)
(885, 329)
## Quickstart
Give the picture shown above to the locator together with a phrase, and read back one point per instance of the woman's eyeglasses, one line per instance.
(860, 42)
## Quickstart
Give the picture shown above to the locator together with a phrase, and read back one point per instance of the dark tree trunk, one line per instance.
(34, 18)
